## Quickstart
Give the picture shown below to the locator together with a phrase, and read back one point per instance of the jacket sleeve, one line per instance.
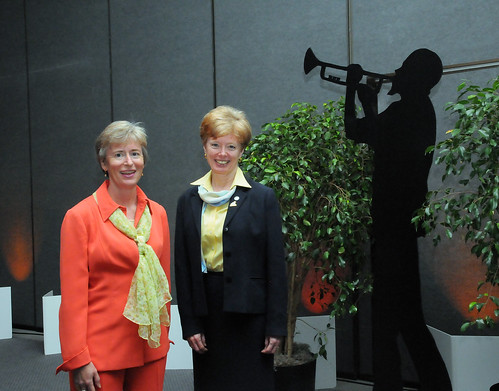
(276, 269)
(74, 293)
(165, 256)
(191, 323)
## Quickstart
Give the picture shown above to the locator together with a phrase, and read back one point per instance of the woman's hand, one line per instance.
(86, 378)
(271, 345)
(197, 342)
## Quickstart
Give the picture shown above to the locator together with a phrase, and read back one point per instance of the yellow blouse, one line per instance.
(211, 236)
(212, 223)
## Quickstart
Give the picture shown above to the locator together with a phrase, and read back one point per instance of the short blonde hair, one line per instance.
(119, 132)
(224, 120)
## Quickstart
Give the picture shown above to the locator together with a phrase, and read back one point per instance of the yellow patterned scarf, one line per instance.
(149, 291)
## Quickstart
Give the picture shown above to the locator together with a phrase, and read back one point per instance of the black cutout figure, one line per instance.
(399, 137)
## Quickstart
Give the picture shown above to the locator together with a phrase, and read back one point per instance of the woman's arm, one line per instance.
(74, 274)
(164, 259)
(276, 268)
(183, 273)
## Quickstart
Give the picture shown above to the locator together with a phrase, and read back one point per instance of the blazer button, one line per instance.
(228, 279)
(226, 229)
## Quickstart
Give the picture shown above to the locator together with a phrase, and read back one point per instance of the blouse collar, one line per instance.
(239, 180)
(107, 206)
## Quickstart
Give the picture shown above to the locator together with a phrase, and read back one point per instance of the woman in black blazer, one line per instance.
(229, 265)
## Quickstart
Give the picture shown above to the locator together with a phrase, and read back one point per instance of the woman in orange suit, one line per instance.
(115, 272)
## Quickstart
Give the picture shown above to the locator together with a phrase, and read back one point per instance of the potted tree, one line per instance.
(468, 201)
(323, 183)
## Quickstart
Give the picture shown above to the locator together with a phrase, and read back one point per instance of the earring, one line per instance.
(205, 155)
(142, 173)
(105, 174)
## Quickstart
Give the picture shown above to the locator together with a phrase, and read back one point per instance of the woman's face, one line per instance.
(223, 153)
(124, 164)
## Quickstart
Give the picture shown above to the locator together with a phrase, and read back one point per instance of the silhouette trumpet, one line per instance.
(311, 61)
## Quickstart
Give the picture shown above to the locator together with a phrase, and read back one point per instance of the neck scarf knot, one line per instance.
(215, 198)
(149, 291)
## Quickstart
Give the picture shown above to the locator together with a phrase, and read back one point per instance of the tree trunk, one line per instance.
(295, 284)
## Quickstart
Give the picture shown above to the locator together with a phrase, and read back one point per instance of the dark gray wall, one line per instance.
(260, 46)
(69, 68)
(69, 98)
(16, 238)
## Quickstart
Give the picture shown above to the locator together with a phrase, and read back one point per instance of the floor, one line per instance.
(23, 366)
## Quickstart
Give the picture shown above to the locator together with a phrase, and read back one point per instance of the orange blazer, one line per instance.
(97, 263)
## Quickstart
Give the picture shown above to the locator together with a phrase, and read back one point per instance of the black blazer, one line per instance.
(254, 265)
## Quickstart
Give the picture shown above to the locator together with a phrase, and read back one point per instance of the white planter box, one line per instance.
(50, 308)
(5, 313)
(180, 353)
(472, 361)
(325, 376)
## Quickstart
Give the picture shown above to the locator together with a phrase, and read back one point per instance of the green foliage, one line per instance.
(323, 183)
(471, 157)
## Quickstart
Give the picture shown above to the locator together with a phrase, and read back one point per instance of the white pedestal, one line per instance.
(5, 313)
(471, 360)
(325, 375)
(51, 304)
(180, 354)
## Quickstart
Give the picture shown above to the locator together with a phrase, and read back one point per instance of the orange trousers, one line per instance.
(149, 377)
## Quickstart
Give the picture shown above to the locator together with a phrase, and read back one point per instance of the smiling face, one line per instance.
(124, 164)
(223, 153)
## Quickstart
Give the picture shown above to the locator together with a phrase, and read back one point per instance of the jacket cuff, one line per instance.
(81, 359)
(191, 325)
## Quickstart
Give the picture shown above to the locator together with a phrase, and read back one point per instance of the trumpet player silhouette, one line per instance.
(399, 137)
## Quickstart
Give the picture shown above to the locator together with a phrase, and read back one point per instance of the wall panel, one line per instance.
(385, 32)
(163, 77)
(260, 47)
(69, 93)
(16, 239)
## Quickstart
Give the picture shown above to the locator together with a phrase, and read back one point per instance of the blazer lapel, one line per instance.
(196, 206)
(235, 203)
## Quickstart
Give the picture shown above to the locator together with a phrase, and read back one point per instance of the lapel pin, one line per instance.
(234, 203)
